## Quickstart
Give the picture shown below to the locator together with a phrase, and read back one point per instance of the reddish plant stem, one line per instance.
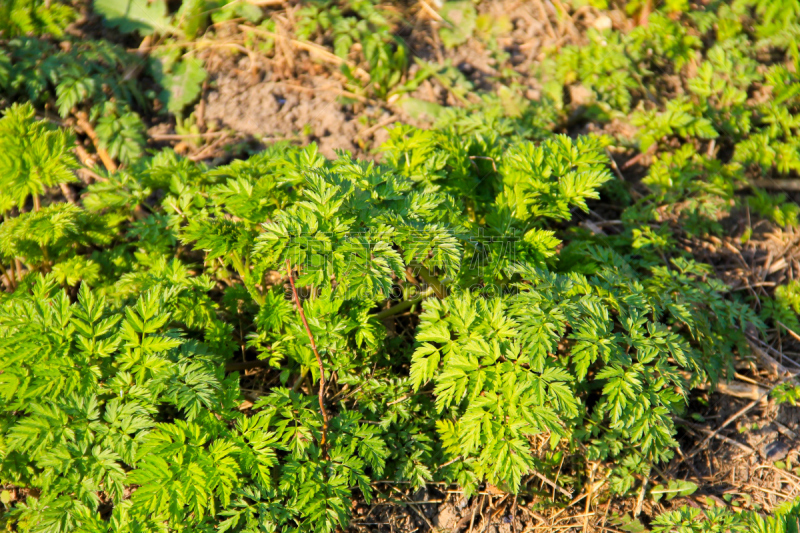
(321, 395)
(86, 126)
(13, 269)
(8, 277)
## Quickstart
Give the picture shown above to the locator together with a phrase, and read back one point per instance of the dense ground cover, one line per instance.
(514, 298)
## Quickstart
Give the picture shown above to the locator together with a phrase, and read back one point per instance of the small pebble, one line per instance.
(603, 22)
(776, 450)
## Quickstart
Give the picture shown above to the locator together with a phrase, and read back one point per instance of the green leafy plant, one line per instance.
(603, 67)
(691, 520)
(775, 207)
(514, 344)
(34, 156)
(451, 313)
(345, 24)
(181, 80)
(136, 16)
(93, 80)
(21, 17)
(460, 22)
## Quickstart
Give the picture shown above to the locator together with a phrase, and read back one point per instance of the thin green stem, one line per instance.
(46, 257)
(299, 380)
(431, 280)
(402, 306)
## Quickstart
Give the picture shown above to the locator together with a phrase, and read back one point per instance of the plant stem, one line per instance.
(402, 306)
(46, 257)
(83, 123)
(321, 395)
(12, 267)
(299, 380)
(8, 277)
(431, 280)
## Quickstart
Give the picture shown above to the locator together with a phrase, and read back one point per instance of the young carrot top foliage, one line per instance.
(471, 322)
(513, 344)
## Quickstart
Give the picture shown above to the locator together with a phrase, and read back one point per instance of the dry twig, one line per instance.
(311, 48)
(745, 448)
(559, 488)
(736, 415)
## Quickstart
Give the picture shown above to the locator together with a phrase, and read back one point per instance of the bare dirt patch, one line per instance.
(306, 111)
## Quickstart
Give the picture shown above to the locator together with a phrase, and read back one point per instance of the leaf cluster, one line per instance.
(471, 331)
(118, 408)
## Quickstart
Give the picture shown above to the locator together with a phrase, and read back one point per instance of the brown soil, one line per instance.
(273, 110)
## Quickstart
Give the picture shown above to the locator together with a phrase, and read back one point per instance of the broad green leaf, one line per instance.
(128, 16)
(182, 84)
